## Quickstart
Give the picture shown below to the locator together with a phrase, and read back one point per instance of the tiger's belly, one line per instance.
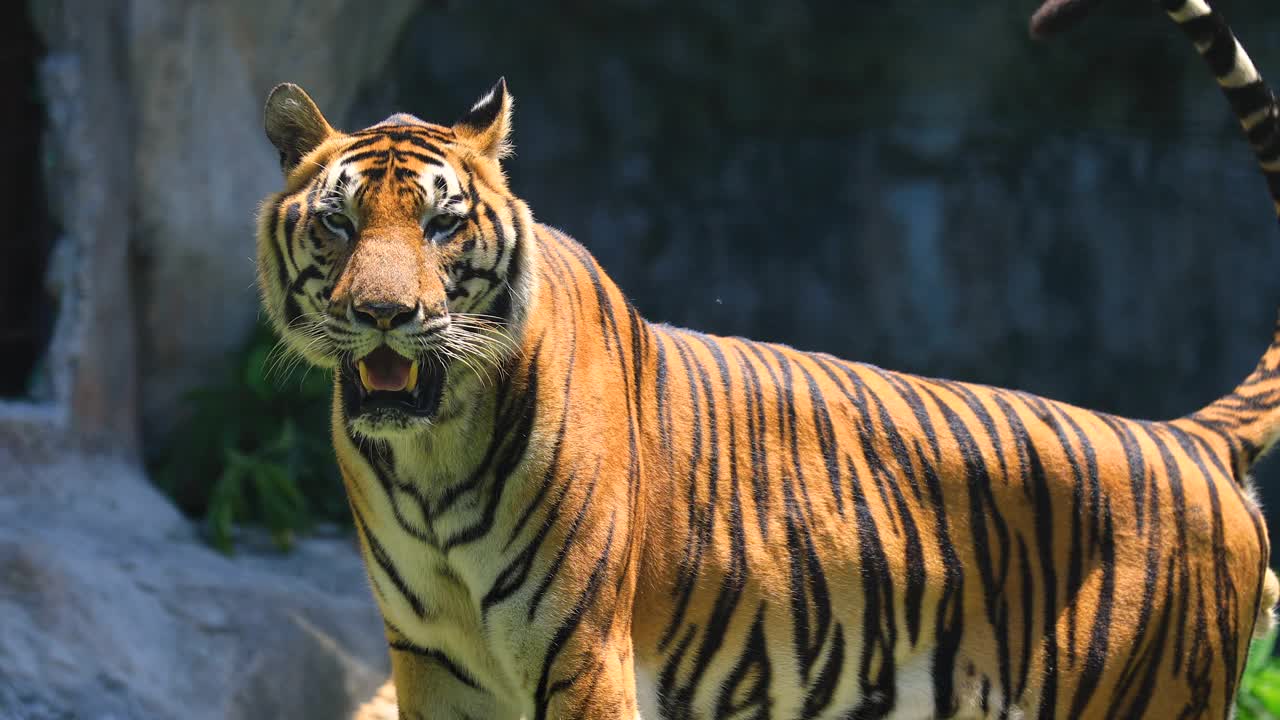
(785, 699)
(760, 675)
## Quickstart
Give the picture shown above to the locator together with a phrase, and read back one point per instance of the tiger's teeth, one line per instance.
(412, 384)
(364, 376)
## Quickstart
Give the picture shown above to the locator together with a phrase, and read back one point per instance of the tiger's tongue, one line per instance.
(385, 369)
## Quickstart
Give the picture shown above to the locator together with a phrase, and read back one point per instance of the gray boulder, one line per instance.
(112, 607)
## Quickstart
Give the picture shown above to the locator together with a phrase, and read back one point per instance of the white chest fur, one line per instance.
(429, 593)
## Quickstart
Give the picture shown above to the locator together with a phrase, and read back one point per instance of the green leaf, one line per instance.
(255, 448)
(223, 508)
(1260, 652)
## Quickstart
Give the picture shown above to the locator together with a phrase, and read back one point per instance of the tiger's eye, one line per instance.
(442, 226)
(338, 224)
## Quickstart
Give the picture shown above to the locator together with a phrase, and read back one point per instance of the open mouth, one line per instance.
(384, 382)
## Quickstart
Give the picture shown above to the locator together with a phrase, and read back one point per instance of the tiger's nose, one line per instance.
(384, 315)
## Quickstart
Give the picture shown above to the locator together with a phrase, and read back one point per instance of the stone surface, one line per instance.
(87, 397)
(111, 607)
(200, 73)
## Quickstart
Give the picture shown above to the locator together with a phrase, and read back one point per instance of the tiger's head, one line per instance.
(394, 255)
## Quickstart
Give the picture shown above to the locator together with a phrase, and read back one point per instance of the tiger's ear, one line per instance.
(294, 124)
(487, 125)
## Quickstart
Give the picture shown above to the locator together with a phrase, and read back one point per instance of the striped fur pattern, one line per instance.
(569, 512)
(1250, 98)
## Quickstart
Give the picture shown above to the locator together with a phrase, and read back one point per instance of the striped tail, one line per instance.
(1251, 413)
(1253, 102)
(1250, 98)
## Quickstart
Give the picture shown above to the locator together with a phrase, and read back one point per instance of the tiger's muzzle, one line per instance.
(391, 299)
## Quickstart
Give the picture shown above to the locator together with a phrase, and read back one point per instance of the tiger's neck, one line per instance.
(573, 329)
(486, 402)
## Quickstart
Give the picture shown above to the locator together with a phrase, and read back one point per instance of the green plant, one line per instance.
(254, 449)
(1259, 697)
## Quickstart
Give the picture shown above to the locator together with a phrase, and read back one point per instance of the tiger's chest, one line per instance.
(425, 599)
(433, 575)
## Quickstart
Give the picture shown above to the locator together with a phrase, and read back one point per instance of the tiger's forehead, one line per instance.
(401, 159)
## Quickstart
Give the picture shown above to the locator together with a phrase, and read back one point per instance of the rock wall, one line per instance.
(201, 72)
(87, 398)
(111, 606)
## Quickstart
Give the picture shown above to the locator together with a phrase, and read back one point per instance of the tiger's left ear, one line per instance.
(487, 125)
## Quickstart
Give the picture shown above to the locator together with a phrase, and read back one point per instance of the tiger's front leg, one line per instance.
(590, 682)
(430, 687)
(599, 684)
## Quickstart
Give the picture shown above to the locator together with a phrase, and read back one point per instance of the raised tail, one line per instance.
(1252, 101)
(1250, 415)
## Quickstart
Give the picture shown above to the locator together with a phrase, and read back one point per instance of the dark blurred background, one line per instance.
(914, 184)
(918, 185)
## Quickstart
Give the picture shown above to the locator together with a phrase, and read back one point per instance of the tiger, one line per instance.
(567, 511)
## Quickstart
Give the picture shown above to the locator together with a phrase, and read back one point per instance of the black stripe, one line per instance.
(1172, 476)
(1095, 658)
(375, 455)
(439, 657)
(985, 519)
(758, 444)
(678, 700)
(383, 561)
(1250, 99)
(565, 547)
(687, 569)
(1036, 479)
(753, 666)
(381, 156)
(1221, 50)
(512, 432)
(569, 625)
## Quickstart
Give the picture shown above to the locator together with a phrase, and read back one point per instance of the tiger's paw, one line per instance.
(381, 706)
(1267, 604)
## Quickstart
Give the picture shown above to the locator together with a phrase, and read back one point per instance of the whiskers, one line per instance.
(482, 343)
(307, 338)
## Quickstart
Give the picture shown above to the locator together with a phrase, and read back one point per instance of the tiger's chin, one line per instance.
(385, 395)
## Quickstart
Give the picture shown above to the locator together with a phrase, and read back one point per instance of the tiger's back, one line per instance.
(983, 551)
(824, 537)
